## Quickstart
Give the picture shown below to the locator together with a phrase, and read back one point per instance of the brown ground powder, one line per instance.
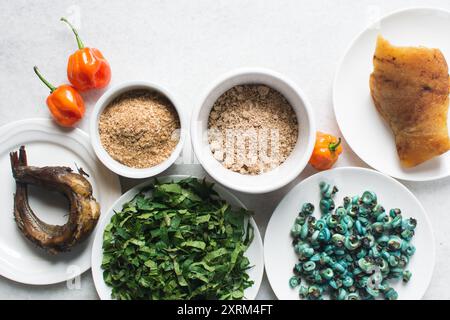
(139, 128)
(252, 129)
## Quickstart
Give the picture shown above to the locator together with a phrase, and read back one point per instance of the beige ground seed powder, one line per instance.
(139, 128)
(252, 129)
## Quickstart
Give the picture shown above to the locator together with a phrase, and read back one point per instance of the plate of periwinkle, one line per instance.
(349, 234)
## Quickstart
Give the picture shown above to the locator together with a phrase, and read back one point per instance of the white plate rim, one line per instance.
(384, 176)
(48, 126)
(339, 70)
(97, 250)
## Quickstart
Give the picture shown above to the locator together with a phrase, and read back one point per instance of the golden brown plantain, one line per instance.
(84, 210)
(410, 88)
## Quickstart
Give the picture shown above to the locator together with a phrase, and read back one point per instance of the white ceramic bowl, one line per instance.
(279, 176)
(103, 155)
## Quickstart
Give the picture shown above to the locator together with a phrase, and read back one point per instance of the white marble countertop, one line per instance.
(184, 45)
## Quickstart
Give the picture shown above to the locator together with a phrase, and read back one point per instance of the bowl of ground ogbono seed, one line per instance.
(270, 125)
(137, 129)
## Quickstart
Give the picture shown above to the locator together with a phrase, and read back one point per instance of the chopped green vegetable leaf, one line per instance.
(180, 242)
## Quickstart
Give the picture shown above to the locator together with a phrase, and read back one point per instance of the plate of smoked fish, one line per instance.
(391, 95)
(53, 193)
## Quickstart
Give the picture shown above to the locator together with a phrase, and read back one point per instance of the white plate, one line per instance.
(46, 144)
(279, 254)
(363, 128)
(254, 253)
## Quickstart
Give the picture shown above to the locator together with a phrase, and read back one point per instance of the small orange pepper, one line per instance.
(64, 102)
(87, 67)
(326, 151)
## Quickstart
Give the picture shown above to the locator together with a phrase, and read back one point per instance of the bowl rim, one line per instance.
(103, 155)
(197, 144)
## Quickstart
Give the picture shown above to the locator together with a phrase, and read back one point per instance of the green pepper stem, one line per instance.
(75, 32)
(333, 146)
(48, 84)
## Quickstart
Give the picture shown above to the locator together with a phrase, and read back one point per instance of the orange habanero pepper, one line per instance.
(87, 68)
(65, 103)
(326, 151)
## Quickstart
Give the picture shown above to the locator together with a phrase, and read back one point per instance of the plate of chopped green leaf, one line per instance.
(177, 238)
